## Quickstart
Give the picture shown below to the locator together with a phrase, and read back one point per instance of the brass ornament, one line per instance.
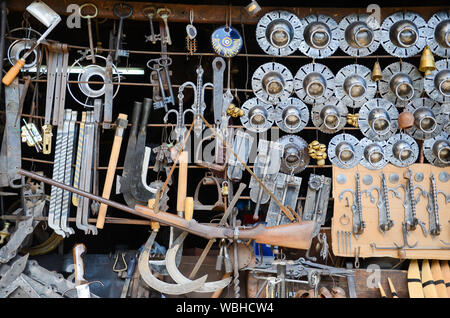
(427, 64)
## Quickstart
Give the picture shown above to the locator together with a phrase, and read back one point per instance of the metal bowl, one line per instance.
(428, 118)
(329, 117)
(374, 156)
(439, 34)
(292, 115)
(295, 156)
(314, 83)
(344, 151)
(402, 150)
(257, 115)
(272, 83)
(354, 85)
(437, 84)
(378, 119)
(361, 34)
(437, 150)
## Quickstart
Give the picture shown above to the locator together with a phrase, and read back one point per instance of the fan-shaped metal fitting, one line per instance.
(314, 83)
(291, 115)
(378, 119)
(401, 83)
(295, 155)
(404, 34)
(279, 33)
(437, 84)
(437, 150)
(258, 116)
(320, 37)
(344, 151)
(361, 34)
(354, 85)
(272, 83)
(402, 150)
(428, 119)
(373, 154)
(439, 33)
(329, 117)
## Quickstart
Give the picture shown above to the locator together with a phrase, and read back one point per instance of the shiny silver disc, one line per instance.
(344, 151)
(361, 34)
(314, 83)
(295, 155)
(354, 85)
(437, 84)
(437, 150)
(330, 117)
(402, 150)
(292, 115)
(428, 119)
(258, 116)
(439, 33)
(272, 83)
(373, 154)
(378, 119)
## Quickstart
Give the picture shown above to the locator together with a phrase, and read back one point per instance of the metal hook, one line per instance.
(123, 260)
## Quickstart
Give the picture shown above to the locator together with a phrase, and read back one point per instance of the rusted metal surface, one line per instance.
(216, 13)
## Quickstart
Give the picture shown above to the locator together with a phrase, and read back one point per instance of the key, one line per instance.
(121, 17)
(89, 17)
(165, 63)
(164, 14)
(149, 12)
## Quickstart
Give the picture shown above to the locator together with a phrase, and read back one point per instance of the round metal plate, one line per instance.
(292, 108)
(430, 108)
(226, 41)
(294, 147)
(431, 149)
(438, 25)
(282, 22)
(307, 75)
(334, 107)
(390, 32)
(382, 107)
(432, 83)
(444, 176)
(341, 178)
(392, 75)
(355, 76)
(398, 138)
(367, 179)
(341, 141)
(272, 73)
(445, 113)
(393, 178)
(18, 48)
(88, 73)
(326, 26)
(418, 177)
(367, 146)
(253, 108)
(355, 24)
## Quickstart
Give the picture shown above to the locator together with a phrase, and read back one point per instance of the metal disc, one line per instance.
(272, 83)
(295, 155)
(445, 113)
(314, 83)
(257, 115)
(354, 85)
(26, 38)
(444, 176)
(428, 119)
(330, 117)
(320, 37)
(89, 72)
(438, 33)
(361, 34)
(437, 150)
(226, 41)
(378, 113)
(292, 115)
(341, 178)
(367, 179)
(373, 154)
(437, 84)
(402, 143)
(279, 33)
(404, 34)
(418, 177)
(401, 83)
(344, 151)
(393, 178)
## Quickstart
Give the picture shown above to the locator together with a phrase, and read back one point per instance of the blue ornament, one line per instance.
(226, 41)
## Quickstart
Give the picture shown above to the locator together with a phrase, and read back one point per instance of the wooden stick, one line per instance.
(121, 125)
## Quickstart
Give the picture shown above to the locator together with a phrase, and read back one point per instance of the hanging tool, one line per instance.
(130, 272)
(433, 207)
(89, 17)
(46, 16)
(179, 132)
(317, 198)
(122, 16)
(121, 125)
(158, 65)
(150, 12)
(164, 13)
(81, 283)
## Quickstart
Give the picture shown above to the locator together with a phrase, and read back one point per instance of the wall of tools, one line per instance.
(232, 116)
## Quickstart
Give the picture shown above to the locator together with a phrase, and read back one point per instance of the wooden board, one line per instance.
(372, 234)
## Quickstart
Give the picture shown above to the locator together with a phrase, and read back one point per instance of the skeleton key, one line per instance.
(149, 12)
(165, 13)
(121, 17)
(89, 17)
(165, 63)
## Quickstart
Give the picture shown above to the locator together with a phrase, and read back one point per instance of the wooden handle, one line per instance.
(446, 274)
(383, 294)
(414, 283)
(438, 278)
(77, 252)
(429, 288)
(188, 208)
(110, 174)
(393, 291)
(217, 293)
(155, 225)
(13, 71)
(182, 180)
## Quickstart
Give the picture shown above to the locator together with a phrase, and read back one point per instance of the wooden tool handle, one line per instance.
(188, 208)
(429, 288)
(13, 71)
(217, 293)
(182, 180)
(155, 225)
(77, 252)
(110, 172)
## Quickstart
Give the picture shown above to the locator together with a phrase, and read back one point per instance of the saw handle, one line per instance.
(78, 252)
(13, 71)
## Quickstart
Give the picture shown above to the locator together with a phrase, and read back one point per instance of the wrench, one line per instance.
(89, 17)
(121, 18)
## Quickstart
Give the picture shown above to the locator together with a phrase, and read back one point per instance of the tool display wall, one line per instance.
(306, 87)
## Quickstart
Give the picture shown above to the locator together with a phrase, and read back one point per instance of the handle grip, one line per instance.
(13, 71)
(188, 208)
(145, 114)
(135, 117)
(155, 225)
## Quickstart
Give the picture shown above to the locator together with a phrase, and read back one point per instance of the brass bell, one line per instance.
(427, 64)
(376, 72)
